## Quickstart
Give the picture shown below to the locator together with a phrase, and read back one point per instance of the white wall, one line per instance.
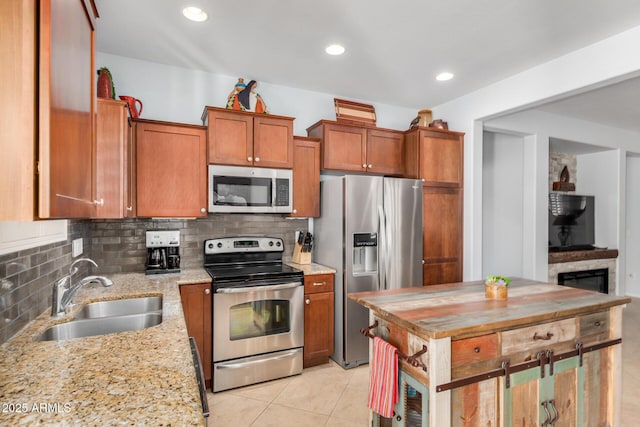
(597, 175)
(502, 204)
(632, 230)
(177, 94)
(610, 60)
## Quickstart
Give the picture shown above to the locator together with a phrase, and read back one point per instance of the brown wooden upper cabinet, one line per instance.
(171, 169)
(435, 156)
(360, 149)
(243, 138)
(115, 157)
(306, 177)
(47, 108)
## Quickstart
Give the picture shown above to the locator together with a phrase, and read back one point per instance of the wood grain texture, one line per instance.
(306, 177)
(17, 109)
(196, 305)
(385, 152)
(460, 310)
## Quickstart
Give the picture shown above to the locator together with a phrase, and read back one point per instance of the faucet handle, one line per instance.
(73, 269)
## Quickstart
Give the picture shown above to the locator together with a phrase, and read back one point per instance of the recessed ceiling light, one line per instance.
(334, 49)
(443, 77)
(194, 14)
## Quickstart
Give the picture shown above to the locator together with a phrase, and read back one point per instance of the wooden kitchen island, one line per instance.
(548, 355)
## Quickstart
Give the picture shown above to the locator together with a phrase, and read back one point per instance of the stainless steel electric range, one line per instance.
(258, 311)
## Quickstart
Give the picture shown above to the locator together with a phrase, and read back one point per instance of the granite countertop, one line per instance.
(312, 268)
(143, 377)
(461, 310)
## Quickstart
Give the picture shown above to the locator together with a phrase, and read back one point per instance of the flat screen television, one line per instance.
(571, 222)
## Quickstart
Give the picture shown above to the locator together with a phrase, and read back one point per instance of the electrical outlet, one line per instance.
(77, 248)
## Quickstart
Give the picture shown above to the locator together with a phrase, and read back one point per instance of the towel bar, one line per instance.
(413, 360)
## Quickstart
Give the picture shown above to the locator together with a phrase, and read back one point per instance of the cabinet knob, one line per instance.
(307, 301)
(250, 159)
(203, 210)
(295, 211)
(423, 180)
(364, 165)
(370, 166)
(207, 291)
(257, 159)
(129, 208)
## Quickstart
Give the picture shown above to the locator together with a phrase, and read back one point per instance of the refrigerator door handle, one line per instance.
(382, 249)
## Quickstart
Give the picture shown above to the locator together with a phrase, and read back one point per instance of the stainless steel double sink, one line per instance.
(107, 317)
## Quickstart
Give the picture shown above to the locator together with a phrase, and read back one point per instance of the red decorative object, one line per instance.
(135, 113)
(104, 85)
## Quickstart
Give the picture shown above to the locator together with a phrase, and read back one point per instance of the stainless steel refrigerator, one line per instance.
(370, 231)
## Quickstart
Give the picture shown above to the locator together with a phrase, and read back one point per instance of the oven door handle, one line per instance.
(258, 288)
(253, 362)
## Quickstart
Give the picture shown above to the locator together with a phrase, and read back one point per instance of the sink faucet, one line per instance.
(64, 289)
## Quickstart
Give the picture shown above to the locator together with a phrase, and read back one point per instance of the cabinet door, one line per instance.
(318, 319)
(171, 170)
(230, 138)
(599, 389)
(196, 305)
(385, 152)
(112, 171)
(272, 142)
(18, 130)
(306, 177)
(66, 109)
(344, 148)
(441, 158)
(442, 235)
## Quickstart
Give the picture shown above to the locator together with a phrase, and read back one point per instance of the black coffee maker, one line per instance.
(163, 251)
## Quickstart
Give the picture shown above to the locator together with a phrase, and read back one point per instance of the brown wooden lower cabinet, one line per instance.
(196, 305)
(318, 319)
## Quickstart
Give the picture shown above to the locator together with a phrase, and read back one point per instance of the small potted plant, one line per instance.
(495, 287)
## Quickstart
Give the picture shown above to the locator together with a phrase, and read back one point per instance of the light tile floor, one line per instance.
(328, 395)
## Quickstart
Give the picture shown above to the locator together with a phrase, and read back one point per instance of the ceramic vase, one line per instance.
(104, 85)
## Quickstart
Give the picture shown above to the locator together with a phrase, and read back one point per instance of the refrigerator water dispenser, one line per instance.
(365, 253)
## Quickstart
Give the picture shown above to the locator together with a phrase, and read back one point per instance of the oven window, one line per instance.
(240, 191)
(259, 318)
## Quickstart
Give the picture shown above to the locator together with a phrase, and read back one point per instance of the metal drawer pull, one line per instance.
(598, 323)
(547, 421)
(258, 288)
(544, 338)
(319, 283)
(476, 350)
(255, 362)
(556, 415)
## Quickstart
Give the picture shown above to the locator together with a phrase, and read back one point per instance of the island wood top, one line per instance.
(461, 310)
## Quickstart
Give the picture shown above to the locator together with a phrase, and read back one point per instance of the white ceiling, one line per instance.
(393, 49)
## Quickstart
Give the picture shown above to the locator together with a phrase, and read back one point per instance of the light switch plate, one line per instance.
(76, 250)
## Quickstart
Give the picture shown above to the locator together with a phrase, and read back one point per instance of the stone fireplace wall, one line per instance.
(557, 161)
(582, 265)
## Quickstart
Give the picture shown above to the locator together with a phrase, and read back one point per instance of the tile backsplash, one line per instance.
(27, 277)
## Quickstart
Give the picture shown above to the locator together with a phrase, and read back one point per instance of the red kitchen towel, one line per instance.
(383, 378)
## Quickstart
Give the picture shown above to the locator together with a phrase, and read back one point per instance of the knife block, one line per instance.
(300, 257)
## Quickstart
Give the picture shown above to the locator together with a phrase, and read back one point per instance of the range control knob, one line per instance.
(270, 242)
(278, 244)
(210, 245)
(219, 245)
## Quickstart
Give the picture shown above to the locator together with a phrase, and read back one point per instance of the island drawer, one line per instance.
(314, 283)
(472, 350)
(594, 324)
(544, 335)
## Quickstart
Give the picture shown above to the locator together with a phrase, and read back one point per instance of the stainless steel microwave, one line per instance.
(235, 189)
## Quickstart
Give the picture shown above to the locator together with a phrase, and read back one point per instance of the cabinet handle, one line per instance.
(129, 208)
(547, 421)
(598, 323)
(307, 301)
(203, 210)
(99, 202)
(257, 159)
(250, 159)
(319, 283)
(207, 291)
(370, 166)
(556, 415)
(543, 338)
